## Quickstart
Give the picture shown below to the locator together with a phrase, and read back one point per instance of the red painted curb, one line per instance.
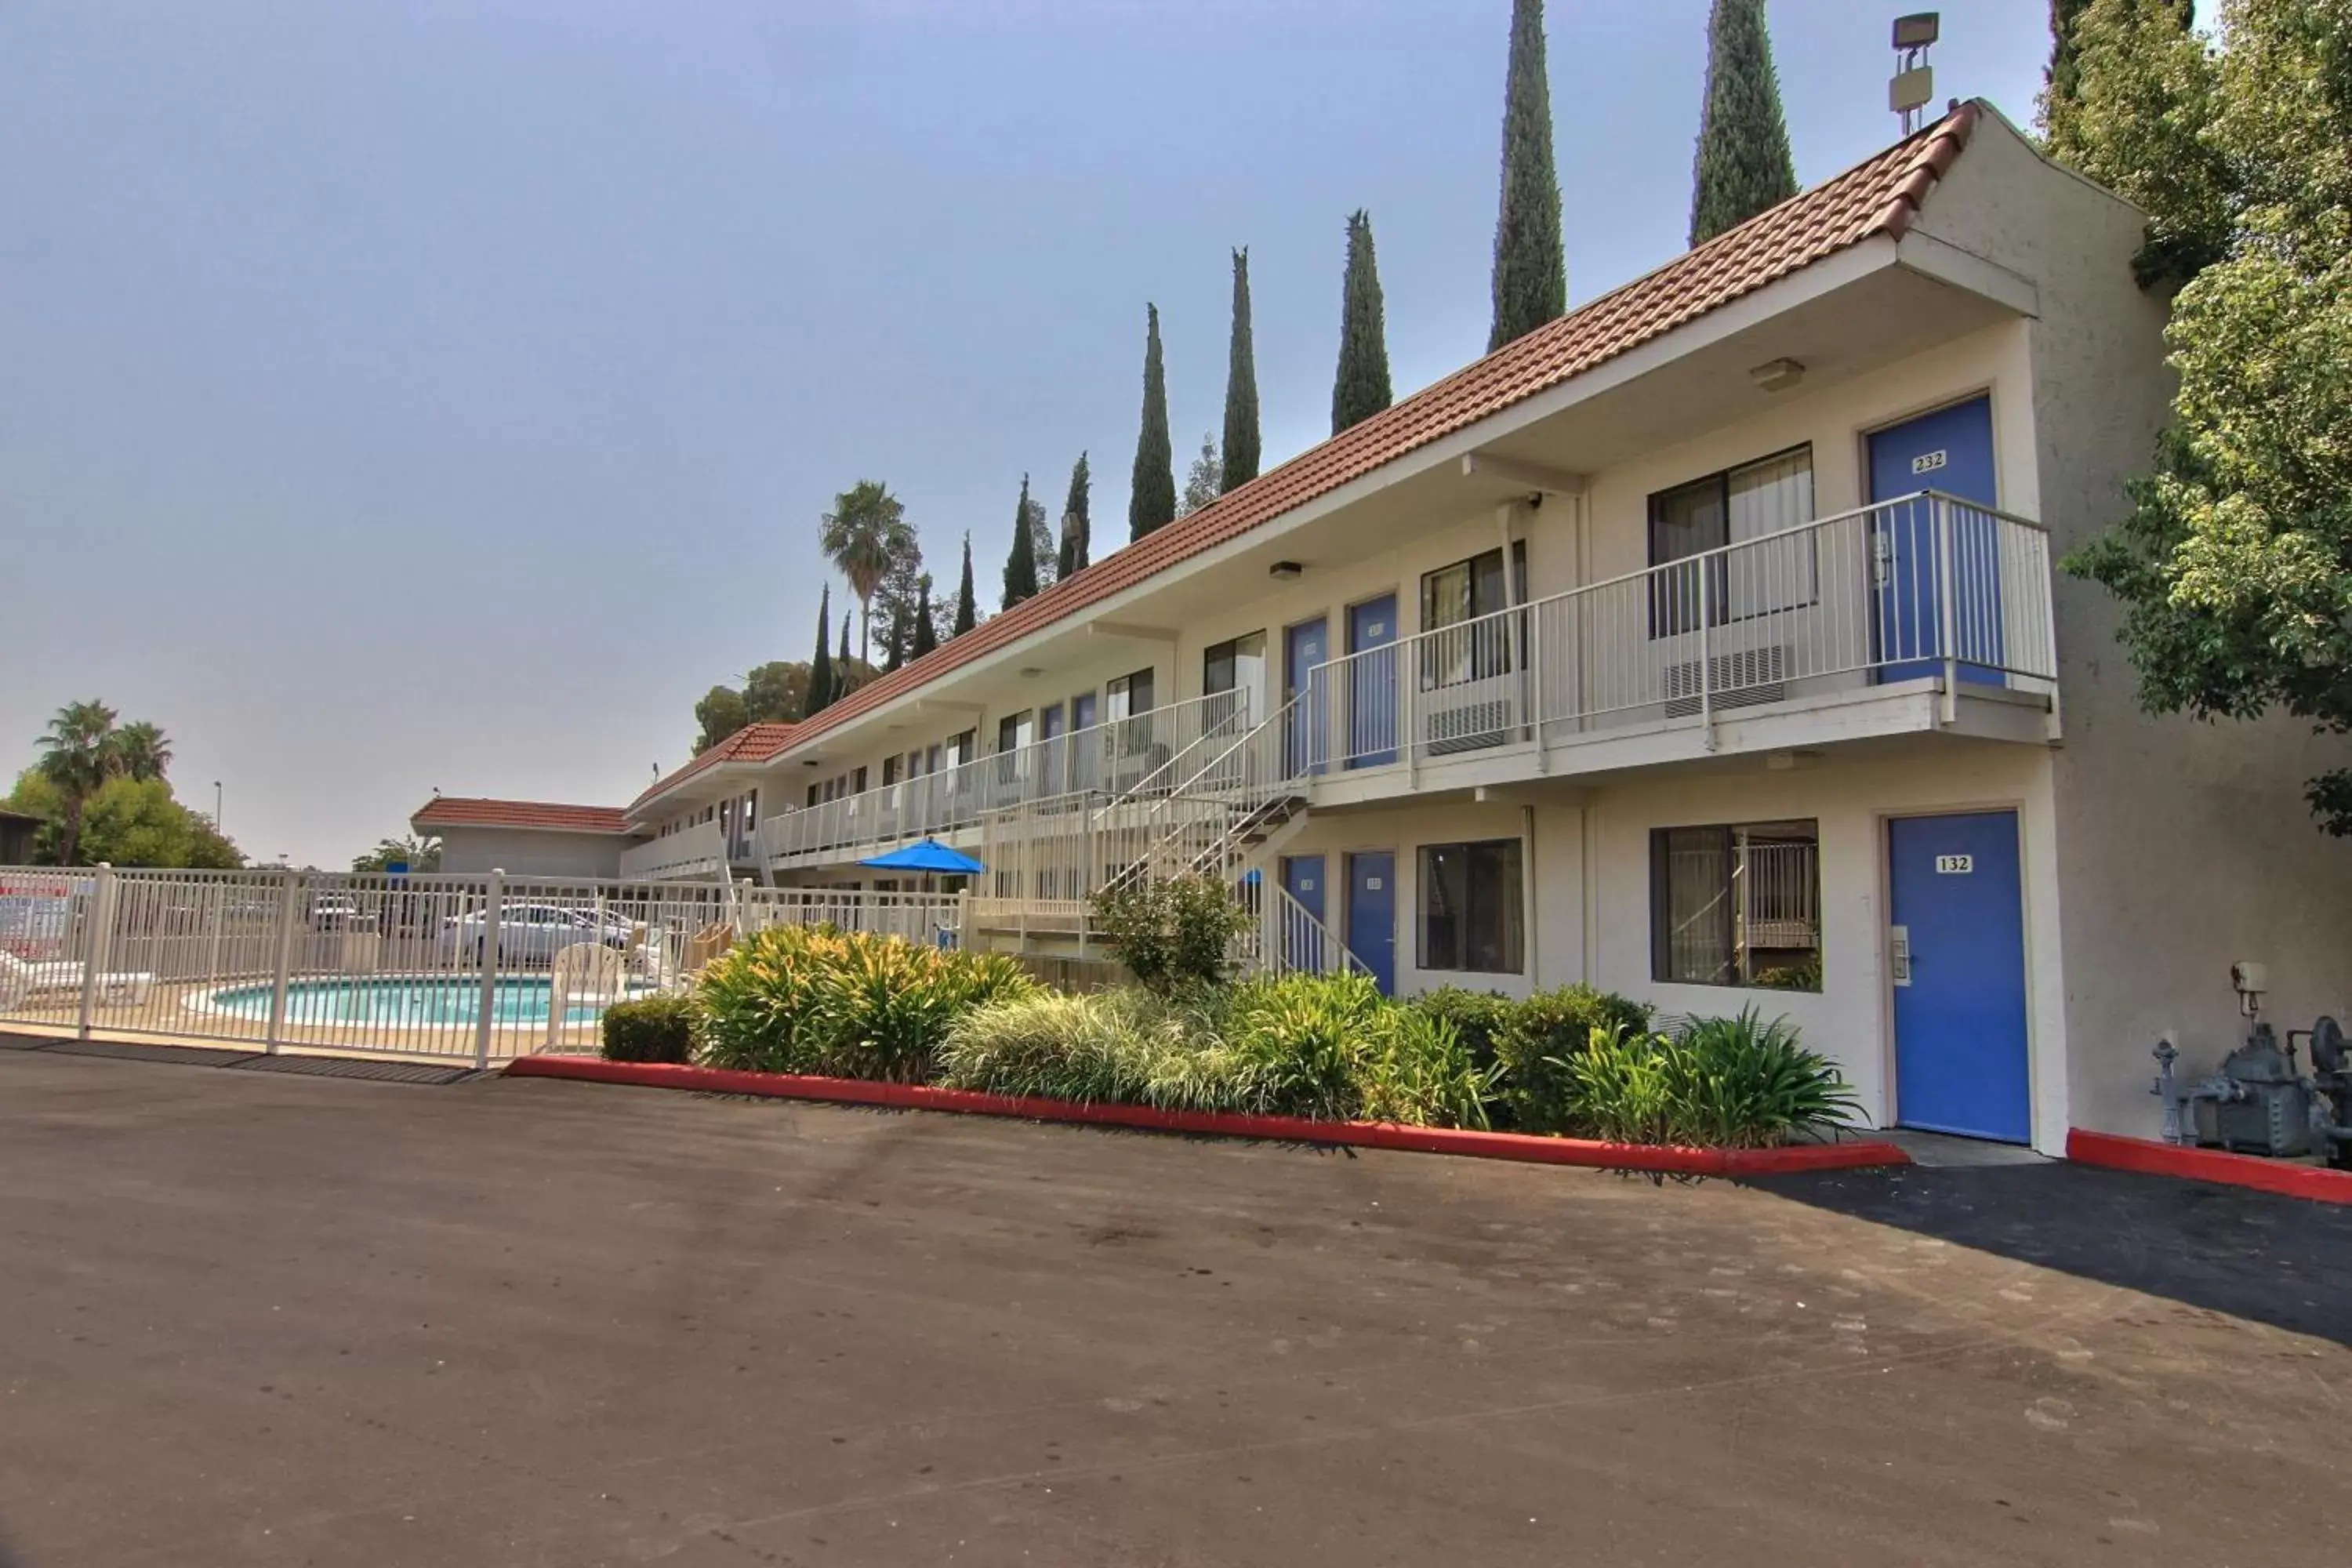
(1517, 1146)
(2155, 1159)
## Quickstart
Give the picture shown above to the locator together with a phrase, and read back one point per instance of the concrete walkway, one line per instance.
(260, 1318)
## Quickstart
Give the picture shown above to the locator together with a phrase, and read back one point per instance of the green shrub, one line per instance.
(1542, 1032)
(651, 1029)
(811, 999)
(1477, 1016)
(1170, 933)
(1735, 1083)
(1803, 975)
(1305, 1041)
(1426, 1075)
(1089, 1049)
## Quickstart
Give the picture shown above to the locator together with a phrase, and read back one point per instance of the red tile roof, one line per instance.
(1877, 197)
(752, 743)
(461, 811)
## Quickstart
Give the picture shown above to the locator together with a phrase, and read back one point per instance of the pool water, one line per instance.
(418, 1004)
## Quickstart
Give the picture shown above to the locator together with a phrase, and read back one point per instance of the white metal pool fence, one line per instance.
(452, 967)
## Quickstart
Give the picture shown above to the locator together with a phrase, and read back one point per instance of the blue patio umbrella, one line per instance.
(926, 855)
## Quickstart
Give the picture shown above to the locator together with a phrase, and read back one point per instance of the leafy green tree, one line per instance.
(1742, 166)
(967, 610)
(863, 533)
(895, 607)
(1151, 498)
(1201, 480)
(417, 854)
(1530, 268)
(2234, 564)
(2061, 78)
(1021, 563)
(1241, 387)
(1076, 526)
(1361, 389)
(820, 686)
(78, 755)
(719, 714)
(1041, 540)
(2141, 123)
(124, 822)
(925, 636)
(774, 692)
(143, 751)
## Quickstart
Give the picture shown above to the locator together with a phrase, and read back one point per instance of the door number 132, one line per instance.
(1955, 865)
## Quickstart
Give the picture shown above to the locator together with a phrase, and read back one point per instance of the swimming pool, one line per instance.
(406, 1003)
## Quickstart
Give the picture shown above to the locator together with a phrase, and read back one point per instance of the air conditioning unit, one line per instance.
(1747, 678)
(1466, 727)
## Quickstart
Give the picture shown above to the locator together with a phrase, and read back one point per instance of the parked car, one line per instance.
(339, 912)
(529, 933)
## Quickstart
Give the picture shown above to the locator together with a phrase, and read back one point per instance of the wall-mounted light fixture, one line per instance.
(1777, 375)
(1284, 571)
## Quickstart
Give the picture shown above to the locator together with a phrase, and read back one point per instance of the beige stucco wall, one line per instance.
(525, 853)
(2181, 847)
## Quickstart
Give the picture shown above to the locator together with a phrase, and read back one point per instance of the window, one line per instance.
(1463, 592)
(1014, 730)
(1737, 905)
(890, 766)
(858, 781)
(1237, 665)
(1049, 720)
(1082, 710)
(965, 747)
(1471, 916)
(1129, 695)
(1749, 503)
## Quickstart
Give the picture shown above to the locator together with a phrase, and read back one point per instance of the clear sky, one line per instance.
(410, 393)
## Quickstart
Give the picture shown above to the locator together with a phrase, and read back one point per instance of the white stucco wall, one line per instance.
(2181, 847)
(527, 853)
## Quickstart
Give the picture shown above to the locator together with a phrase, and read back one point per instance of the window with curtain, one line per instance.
(1750, 502)
(1737, 905)
(1471, 915)
(1463, 592)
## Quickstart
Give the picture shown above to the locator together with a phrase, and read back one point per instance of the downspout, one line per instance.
(1527, 880)
(1589, 882)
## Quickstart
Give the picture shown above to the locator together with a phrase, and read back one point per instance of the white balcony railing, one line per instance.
(1108, 758)
(699, 850)
(1924, 585)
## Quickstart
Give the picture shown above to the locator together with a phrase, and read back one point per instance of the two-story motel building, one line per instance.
(1706, 644)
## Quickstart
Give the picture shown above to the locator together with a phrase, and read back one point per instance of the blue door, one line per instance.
(1304, 646)
(1372, 683)
(1302, 879)
(1957, 954)
(1371, 915)
(1949, 450)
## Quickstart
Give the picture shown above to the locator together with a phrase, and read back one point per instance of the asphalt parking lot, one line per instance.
(260, 1318)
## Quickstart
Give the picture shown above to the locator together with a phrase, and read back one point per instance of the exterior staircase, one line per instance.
(1223, 806)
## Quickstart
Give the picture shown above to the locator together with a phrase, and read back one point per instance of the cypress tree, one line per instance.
(1530, 272)
(1742, 166)
(820, 683)
(1021, 565)
(1361, 389)
(1151, 498)
(844, 679)
(967, 614)
(1241, 387)
(1075, 525)
(926, 631)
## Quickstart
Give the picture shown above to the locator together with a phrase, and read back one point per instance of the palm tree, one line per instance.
(144, 751)
(863, 535)
(79, 752)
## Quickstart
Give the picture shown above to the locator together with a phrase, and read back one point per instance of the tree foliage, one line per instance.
(1241, 446)
(719, 714)
(925, 634)
(1021, 563)
(967, 610)
(1531, 269)
(2234, 563)
(125, 821)
(820, 684)
(1151, 498)
(1361, 388)
(417, 854)
(1201, 480)
(1076, 544)
(1742, 166)
(863, 535)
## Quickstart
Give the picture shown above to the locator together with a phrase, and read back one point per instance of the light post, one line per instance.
(217, 805)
